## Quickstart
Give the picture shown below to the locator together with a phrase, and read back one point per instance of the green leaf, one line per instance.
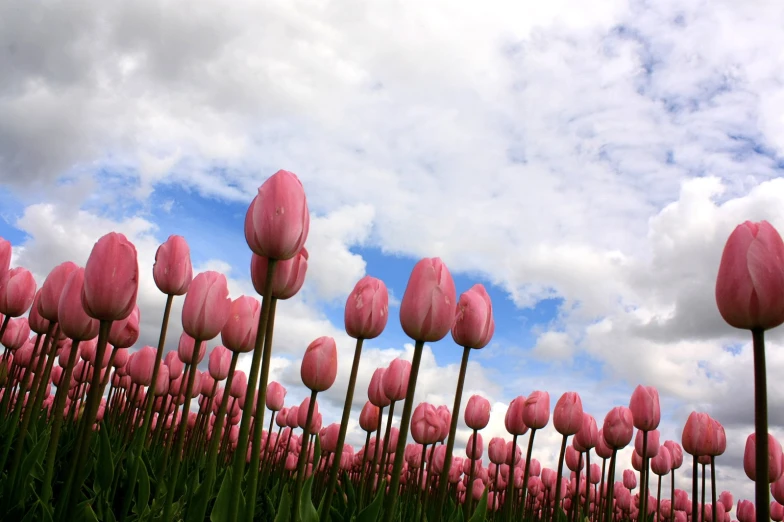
(30, 460)
(85, 513)
(370, 513)
(457, 515)
(284, 508)
(197, 509)
(481, 509)
(224, 497)
(307, 511)
(104, 467)
(317, 453)
(143, 491)
(351, 497)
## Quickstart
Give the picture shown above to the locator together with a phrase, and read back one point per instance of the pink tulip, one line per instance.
(751, 277)
(277, 221)
(288, 278)
(446, 420)
(367, 309)
(52, 289)
(776, 511)
(474, 324)
(395, 380)
(746, 511)
(369, 418)
(17, 291)
(629, 479)
(111, 279)
(653, 443)
(661, 464)
(276, 394)
(125, 332)
(16, 333)
(320, 364)
(645, 408)
(568, 414)
(206, 307)
(172, 270)
(37, 323)
(72, 318)
(726, 500)
(676, 453)
(239, 332)
(175, 364)
(618, 427)
(588, 436)
(698, 434)
(220, 360)
(141, 366)
(427, 311)
(477, 412)
(536, 412)
(186, 349)
(513, 421)
(162, 381)
(376, 389)
(239, 383)
(121, 356)
(5, 255)
(774, 458)
(329, 439)
(480, 446)
(425, 424)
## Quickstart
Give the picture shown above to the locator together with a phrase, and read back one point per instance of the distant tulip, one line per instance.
(5, 255)
(425, 424)
(239, 383)
(618, 427)
(52, 289)
(276, 394)
(395, 380)
(661, 464)
(141, 366)
(629, 479)
(479, 446)
(172, 270)
(17, 291)
(746, 511)
(239, 332)
(369, 418)
(536, 412)
(653, 443)
(588, 436)
(568, 414)
(302, 412)
(774, 458)
(719, 440)
(329, 440)
(750, 281)
(320, 364)
(277, 221)
(125, 332)
(162, 381)
(175, 364)
(513, 421)
(206, 308)
(573, 459)
(645, 408)
(376, 389)
(186, 349)
(726, 500)
(477, 412)
(367, 309)
(111, 279)
(698, 434)
(496, 450)
(220, 360)
(474, 324)
(37, 323)
(776, 511)
(73, 320)
(288, 278)
(446, 419)
(427, 311)
(16, 334)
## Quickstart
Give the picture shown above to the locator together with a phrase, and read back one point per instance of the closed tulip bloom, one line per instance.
(175, 364)
(676, 453)
(172, 270)
(568, 414)
(776, 511)
(280, 419)
(618, 427)
(72, 318)
(239, 383)
(636, 460)
(425, 424)
(536, 412)
(16, 333)
(220, 360)
(367, 309)
(5, 255)
(370, 417)
(288, 278)
(376, 389)
(111, 279)
(186, 350)
(477, 412)
(162, 381)
(496, 450)
(302, 412)
(698, 434)
(37, 323)
(750, 281)
(726, 500)
(52, 289)
(588, 436)
(239, 332)
(480, 447)
(320, 364)
(329, 438)
(653, 443)
(17, 291)
(719, 439)
(427, 311)
(278, 221)
(573, 459)
(645, 408)
(774, 458)
(661, 464)
(276, 394)
(602, 449)
(206, 308)
(141, 366)
(474, 324)
(629, 479)
(446, 421)
(513, 421)
(125, 332)
(395, 380)
(746, 511)
(121, 356)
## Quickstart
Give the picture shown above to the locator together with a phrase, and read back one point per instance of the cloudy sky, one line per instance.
(585, 161)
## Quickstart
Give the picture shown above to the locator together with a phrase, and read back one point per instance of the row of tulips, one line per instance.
(93, 430)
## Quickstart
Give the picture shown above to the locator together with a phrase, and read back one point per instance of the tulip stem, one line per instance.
(238, 466)
(405, 420)
(672, 494)
(610, 486)
(526, 470)
(333, 472)
(258, 424)
(469, 500)
(713, 486)
(588, 485)
(694, 488)
(376, 450)
(557, 499)
(644, 476)
(762, 493)
(702, 501)
(303, 457)
(450, 443)
(385, 446)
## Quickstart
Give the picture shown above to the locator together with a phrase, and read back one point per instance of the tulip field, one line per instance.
(96, 428)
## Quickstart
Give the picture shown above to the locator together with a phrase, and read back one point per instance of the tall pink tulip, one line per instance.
(239, 332)
(536, 412)
(277, 221)
(187, 349)
(172, 270)
(395, 380)
(111, 279)
(73, 320)
(320, 364)
(425, 424)
(288, 278)
(125, 333)
(367, 309)
(38, 324)
(774, 458)
(141, 366)
(276, 394)
(618, 427)
(16, 334)
(52, 289)
(474, 324)
(220, 360)
(427, 311)
(513, 421)
(206, 307)
(477, 412)
(5, 255)
(645, 408)
(17, 291)
(568, 414)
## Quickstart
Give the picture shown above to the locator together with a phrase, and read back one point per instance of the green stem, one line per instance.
(762, 486)
(694, 488)
(672, 495)
(557, 499)
(610, 487)
(405, 420)
(303, 457)
(644, 476)
(713, 486)
(333, 472)
(526, 470)
(238, 466)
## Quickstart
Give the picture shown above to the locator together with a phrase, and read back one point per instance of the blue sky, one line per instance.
(584, 161)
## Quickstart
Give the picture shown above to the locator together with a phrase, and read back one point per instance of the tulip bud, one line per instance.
(536, 412)
(370, 417)
(16, 334)
(474, 325)
(72, 318)
(588, 436)
(618, 427)
(774, 458)
(477, 412)
(175, 364)
(425, 424)
(676, 453)
(395, 379)
(367, 309)
(276, 394)
(220, 360)
(206, 307)
(52, 289)
(141, 366)
(645, 408)
(474, 450)
(111, 279)
(661, 464)
(288, 278)
(17, 291)
(172, 270)
(239, 332)
(320, 364)
(376, 389)
(513, 421)
(125, 332)
(652, 446)
(568, 414)
(187, 349)
(427, 311)
(5, 255)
